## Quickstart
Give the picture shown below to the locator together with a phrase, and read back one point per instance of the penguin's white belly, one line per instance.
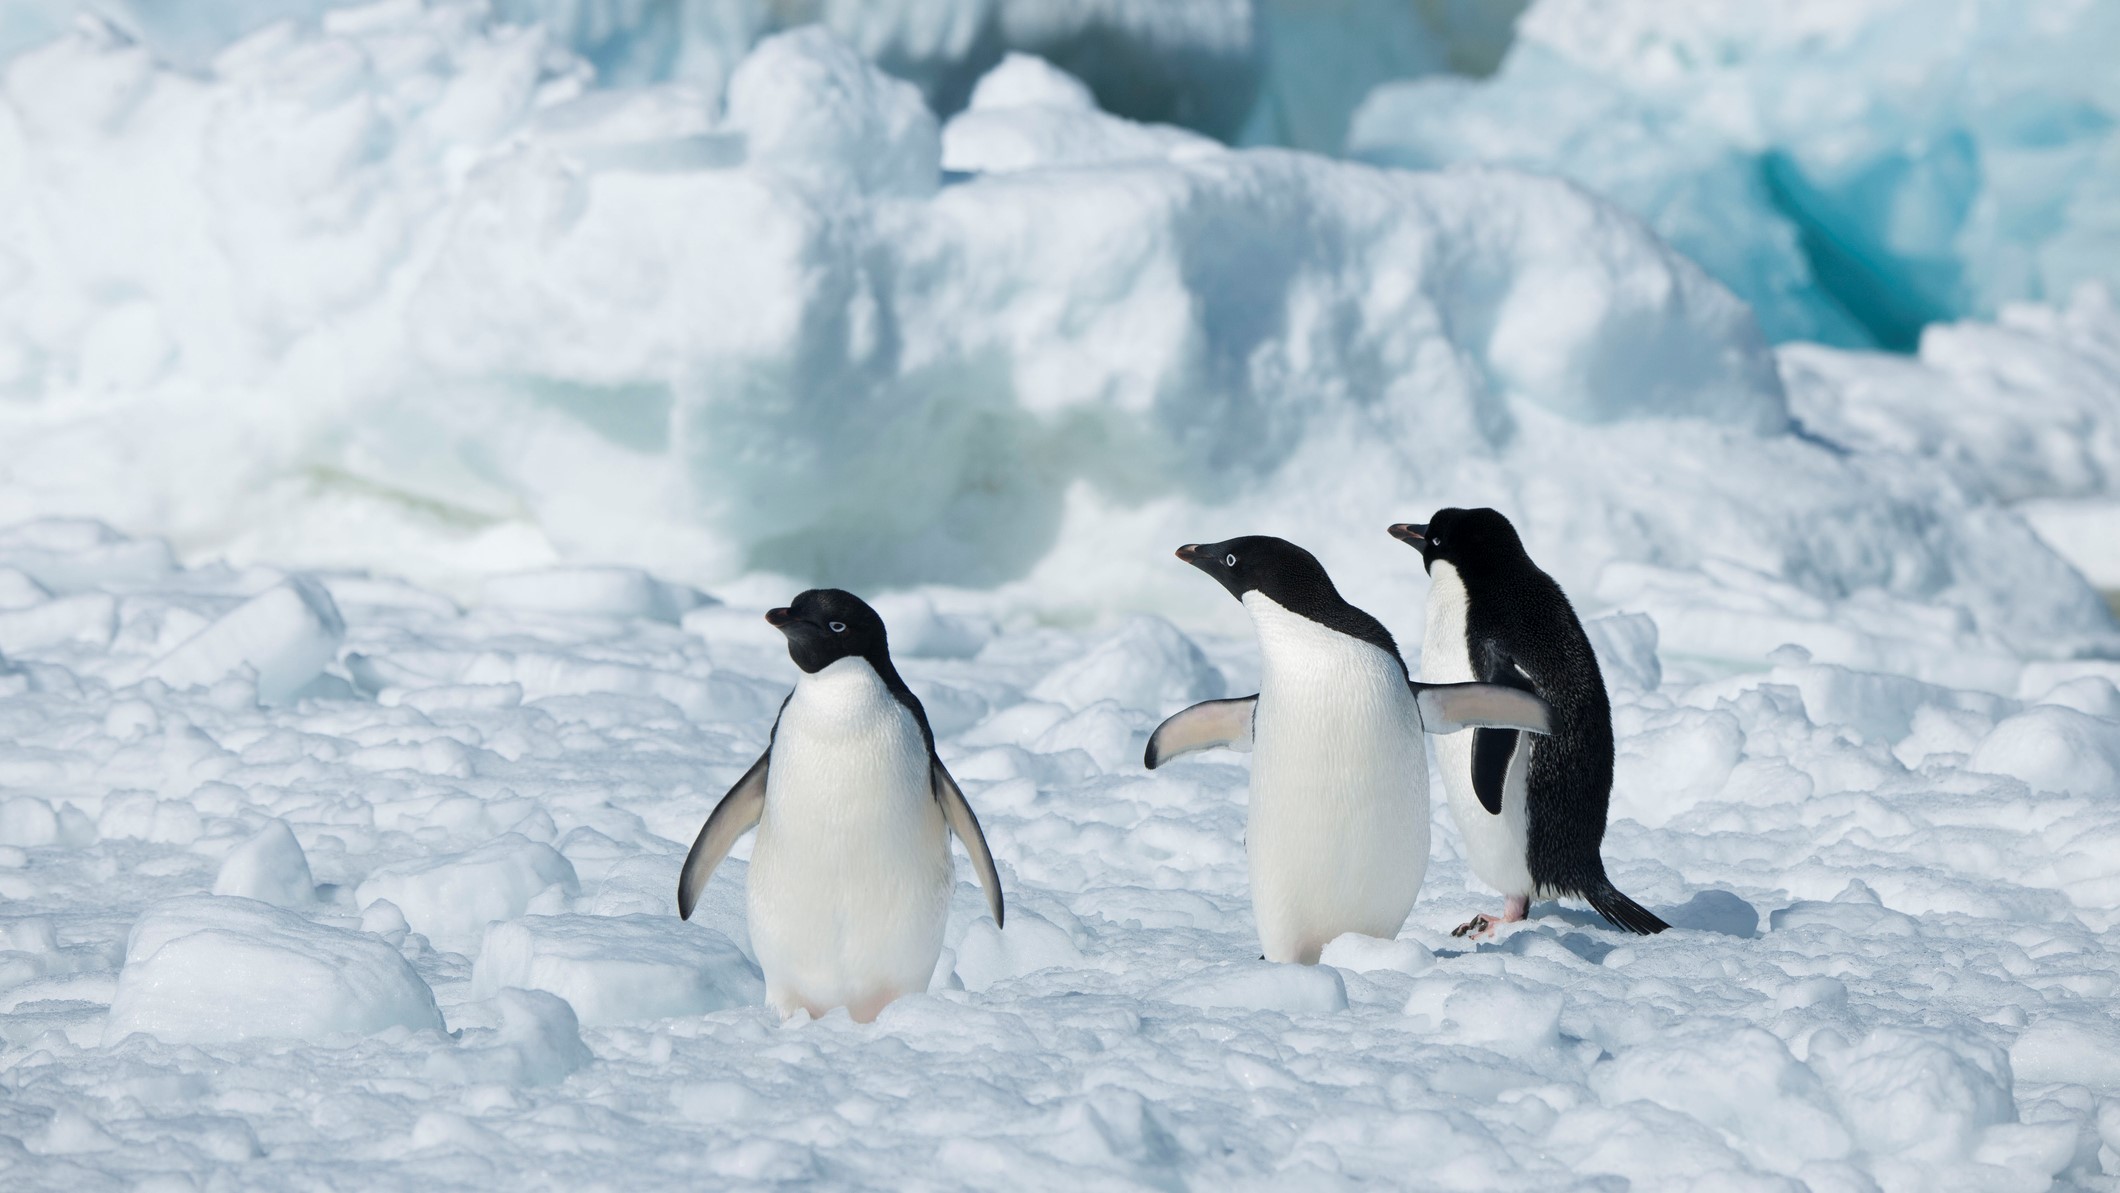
(849, 884)
(1337, 831)
(1496, 847)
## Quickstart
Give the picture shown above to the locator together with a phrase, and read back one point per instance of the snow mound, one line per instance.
(1368, 954)
(1031, 942)
(1263, 986)
(212, 970)
(452, 897)
(2054, 748)
(1146, 664)
(1855, 170)
(269, 867)
(622, 969)
(285, 635)
(1028, 114)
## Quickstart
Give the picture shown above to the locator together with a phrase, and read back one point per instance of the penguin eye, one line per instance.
(837, 627)
(1435, 540)
(1229, 561)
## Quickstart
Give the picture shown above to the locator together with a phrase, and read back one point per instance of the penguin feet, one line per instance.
(1482, 927)
(1479, 927)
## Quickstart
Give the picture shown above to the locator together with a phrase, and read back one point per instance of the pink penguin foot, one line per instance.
(1482, 927)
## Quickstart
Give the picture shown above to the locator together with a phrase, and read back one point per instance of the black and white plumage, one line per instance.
(1336, 831)
(849, 884)
(1532, 811)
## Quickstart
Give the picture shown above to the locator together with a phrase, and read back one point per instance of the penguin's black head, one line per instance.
(1462, 538)
(1261, 563)
(825, 625)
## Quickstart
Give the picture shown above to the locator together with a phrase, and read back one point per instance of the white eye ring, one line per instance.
(1229, 561)
(837, 627)
(1435, 540)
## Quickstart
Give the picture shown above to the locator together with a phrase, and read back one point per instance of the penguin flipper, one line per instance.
(1209, 725)
(735, 815)
(1491, 751)
(1450, 707)
(958, 813)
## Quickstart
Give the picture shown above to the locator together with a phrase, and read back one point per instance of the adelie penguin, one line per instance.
(1532, 810)
(1337, 831)
(849, 885)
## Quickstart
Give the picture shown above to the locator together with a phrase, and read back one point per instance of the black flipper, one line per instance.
(1622, 911)
(1491, 751)
(735, 815)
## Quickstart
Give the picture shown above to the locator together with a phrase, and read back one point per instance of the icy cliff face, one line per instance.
(1855, 170)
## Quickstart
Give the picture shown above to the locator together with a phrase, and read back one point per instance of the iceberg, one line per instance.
(1854, 170)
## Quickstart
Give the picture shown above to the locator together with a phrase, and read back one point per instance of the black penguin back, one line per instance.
(1521, 629)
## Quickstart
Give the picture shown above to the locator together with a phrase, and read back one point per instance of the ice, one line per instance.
(284, 636)
(1075, 355)
(1263, 986)
(987, 954)
(451, 898)
(1027, 114)
(438, 314)
(611, 591)
(812, 110)
(1854, 170)
(2054, 748)
(618, 969)
(269, 867)
(1367, 954)
(205, 969)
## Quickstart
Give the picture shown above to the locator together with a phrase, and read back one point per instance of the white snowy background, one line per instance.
(406, 410)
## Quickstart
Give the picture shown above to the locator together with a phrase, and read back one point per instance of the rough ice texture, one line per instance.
(1855, 170)
(206, 969)
(458, 312)
(283, 637)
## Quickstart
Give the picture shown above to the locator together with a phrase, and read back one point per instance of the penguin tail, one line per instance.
(1622, 911)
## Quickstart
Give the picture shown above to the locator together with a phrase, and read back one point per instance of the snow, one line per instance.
(209, 969)
(618, 969)
(1892, 962)
(387, 510)
(536, 326)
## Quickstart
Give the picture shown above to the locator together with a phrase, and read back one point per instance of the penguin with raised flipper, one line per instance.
(1532, 811)
(849, 886)
(1337, 828)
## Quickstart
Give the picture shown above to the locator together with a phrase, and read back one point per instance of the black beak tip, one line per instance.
(1410, 533)
(779, 618)
(1190, 553)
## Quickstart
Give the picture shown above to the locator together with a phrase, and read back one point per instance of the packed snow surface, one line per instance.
(413, 927)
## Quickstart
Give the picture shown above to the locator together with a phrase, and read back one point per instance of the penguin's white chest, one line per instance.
(1337, 831)
(849, 883)
(1495, 846)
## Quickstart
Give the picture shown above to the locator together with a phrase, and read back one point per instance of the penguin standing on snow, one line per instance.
(849, 885)
(1532, 811)
(1337, 828)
